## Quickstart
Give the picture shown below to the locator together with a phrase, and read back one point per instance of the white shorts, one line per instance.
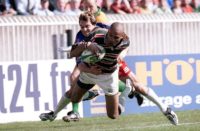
(109, 83)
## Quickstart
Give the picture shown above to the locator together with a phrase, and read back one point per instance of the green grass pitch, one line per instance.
(188, 121)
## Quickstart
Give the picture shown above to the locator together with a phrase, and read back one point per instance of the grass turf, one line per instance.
(188, 121)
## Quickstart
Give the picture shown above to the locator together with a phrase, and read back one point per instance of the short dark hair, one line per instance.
(44, 1)
(2, 7)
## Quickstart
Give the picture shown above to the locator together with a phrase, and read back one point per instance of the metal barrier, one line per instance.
(25, 38)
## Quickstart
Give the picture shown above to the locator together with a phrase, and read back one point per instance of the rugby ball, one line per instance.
(88, 57)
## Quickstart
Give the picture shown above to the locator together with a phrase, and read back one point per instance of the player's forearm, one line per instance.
(83, 68)
(92, 69)
(77, 49)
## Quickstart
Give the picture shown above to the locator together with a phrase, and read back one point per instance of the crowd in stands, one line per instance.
(75, 7)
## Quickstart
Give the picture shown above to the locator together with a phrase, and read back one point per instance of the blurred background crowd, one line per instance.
(75, 7)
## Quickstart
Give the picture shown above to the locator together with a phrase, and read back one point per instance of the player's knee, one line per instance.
(68, 93)
(74, 99)
(113, 116)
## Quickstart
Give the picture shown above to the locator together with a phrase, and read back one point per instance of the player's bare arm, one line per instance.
(77, 49)
(89, 69)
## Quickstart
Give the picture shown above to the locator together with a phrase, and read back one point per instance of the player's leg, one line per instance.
(90, 94)
(133, 92)
(124, 90)
(152, 96)
(77, 95)
(123, 76)
(65, 99)
(147, 92)
(78, 92)
(109, 83)
(74, 114)
(112, 106)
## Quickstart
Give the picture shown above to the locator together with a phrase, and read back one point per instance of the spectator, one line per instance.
(170, 3)
(74, 8)
(44, 10)
(2, 9)
(90, 5)
(135, 6)
(163, 7)
(121, 7)
(27, 7)
(62, 6)
(196, 5)
(104, 5)
(155, 4)
(52, 5)
(151, 4)
(177, 9)
(10, 7)
(146, 7)
(7, 8)
(186, 7)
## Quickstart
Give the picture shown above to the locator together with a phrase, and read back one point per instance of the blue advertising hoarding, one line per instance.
(175, 79)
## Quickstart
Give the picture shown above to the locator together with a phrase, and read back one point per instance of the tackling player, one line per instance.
(86, 35)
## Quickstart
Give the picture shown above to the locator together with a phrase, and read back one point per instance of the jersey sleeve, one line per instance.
(79, 37)
(123, 44)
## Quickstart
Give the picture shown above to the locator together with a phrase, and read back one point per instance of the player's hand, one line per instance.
(92, 46)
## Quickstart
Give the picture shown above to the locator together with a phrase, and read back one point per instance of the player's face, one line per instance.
(113, 37)
(86, 27)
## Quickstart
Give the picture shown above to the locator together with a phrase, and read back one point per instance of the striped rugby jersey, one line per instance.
(109, 62)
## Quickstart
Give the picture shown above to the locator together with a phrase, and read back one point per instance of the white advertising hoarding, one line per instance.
(32, 87)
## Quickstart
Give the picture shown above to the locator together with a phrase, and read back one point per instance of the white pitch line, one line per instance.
(151, 126)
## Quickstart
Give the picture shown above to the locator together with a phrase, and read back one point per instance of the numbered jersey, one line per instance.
(123, 69)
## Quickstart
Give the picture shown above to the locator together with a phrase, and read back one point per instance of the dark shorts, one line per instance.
(85, 86)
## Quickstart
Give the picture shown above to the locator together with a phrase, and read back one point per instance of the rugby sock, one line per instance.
(151, 95)
(75, 107)
(124, 93)
(62, 103)
(86, 95)
(122, 86)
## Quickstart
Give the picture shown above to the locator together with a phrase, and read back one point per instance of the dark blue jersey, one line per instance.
(80, 37)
